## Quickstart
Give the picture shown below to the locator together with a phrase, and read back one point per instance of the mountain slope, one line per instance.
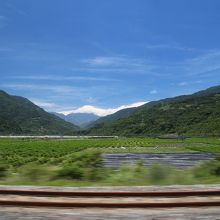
(110, 118)
(79, 119)
(196, 114)
(20, 116)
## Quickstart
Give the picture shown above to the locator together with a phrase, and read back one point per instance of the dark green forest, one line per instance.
(20, 116)
(195, 115)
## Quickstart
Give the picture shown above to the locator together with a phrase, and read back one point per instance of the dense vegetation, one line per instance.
(193, 115)
(78, 162)
(17, 152)
(20, 116)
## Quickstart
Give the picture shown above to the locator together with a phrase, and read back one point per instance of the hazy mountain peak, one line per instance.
(79, 119)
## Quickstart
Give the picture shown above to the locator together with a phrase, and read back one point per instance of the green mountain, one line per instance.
(20, 116)
(196, 114)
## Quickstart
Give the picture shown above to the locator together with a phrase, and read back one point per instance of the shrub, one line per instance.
(158, 174)
(3, 170)
(34, 172)
(84, 160)
(70, 172)
(129, 174)
(207, 169)
(95, 174)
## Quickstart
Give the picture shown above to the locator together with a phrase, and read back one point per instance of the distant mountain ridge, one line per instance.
(112, 117)
(18, 115)
(196, 114)
(80, 119)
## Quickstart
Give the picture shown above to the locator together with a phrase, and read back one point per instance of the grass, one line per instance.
(78, 162)
(127, 175)
(17, 152)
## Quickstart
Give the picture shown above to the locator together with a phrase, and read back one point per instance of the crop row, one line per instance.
(16, 152)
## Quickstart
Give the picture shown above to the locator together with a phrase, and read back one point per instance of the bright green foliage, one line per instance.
(82, 165)
(15, 153)
(69, 162)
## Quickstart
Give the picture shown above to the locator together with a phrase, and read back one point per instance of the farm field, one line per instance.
(79, 162)
(18, 152)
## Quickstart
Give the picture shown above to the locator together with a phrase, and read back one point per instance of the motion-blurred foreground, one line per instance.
(81, 162)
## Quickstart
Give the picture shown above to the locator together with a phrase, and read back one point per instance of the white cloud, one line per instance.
(34, 87)
(61, 78)
(115, 61)
(117, 64)
(169, 46)
(43, 103)
(204, 65)
(104, 61)
(182, 84)
(153, 91)
(91, 100)
(198, 81)
(101, 111)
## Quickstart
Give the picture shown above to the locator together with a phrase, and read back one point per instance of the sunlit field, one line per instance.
(79, 162)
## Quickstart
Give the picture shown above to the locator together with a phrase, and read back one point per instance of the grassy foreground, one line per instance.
(78, 162)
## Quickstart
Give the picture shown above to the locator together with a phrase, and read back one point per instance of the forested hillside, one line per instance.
(20, 116)
(196, 114)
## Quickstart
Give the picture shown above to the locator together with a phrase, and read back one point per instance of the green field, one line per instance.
(17, 152)
(78, 162)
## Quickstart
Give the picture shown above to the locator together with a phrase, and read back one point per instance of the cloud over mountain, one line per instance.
(101, 111)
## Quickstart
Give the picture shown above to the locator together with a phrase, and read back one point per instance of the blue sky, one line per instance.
(65, 54)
